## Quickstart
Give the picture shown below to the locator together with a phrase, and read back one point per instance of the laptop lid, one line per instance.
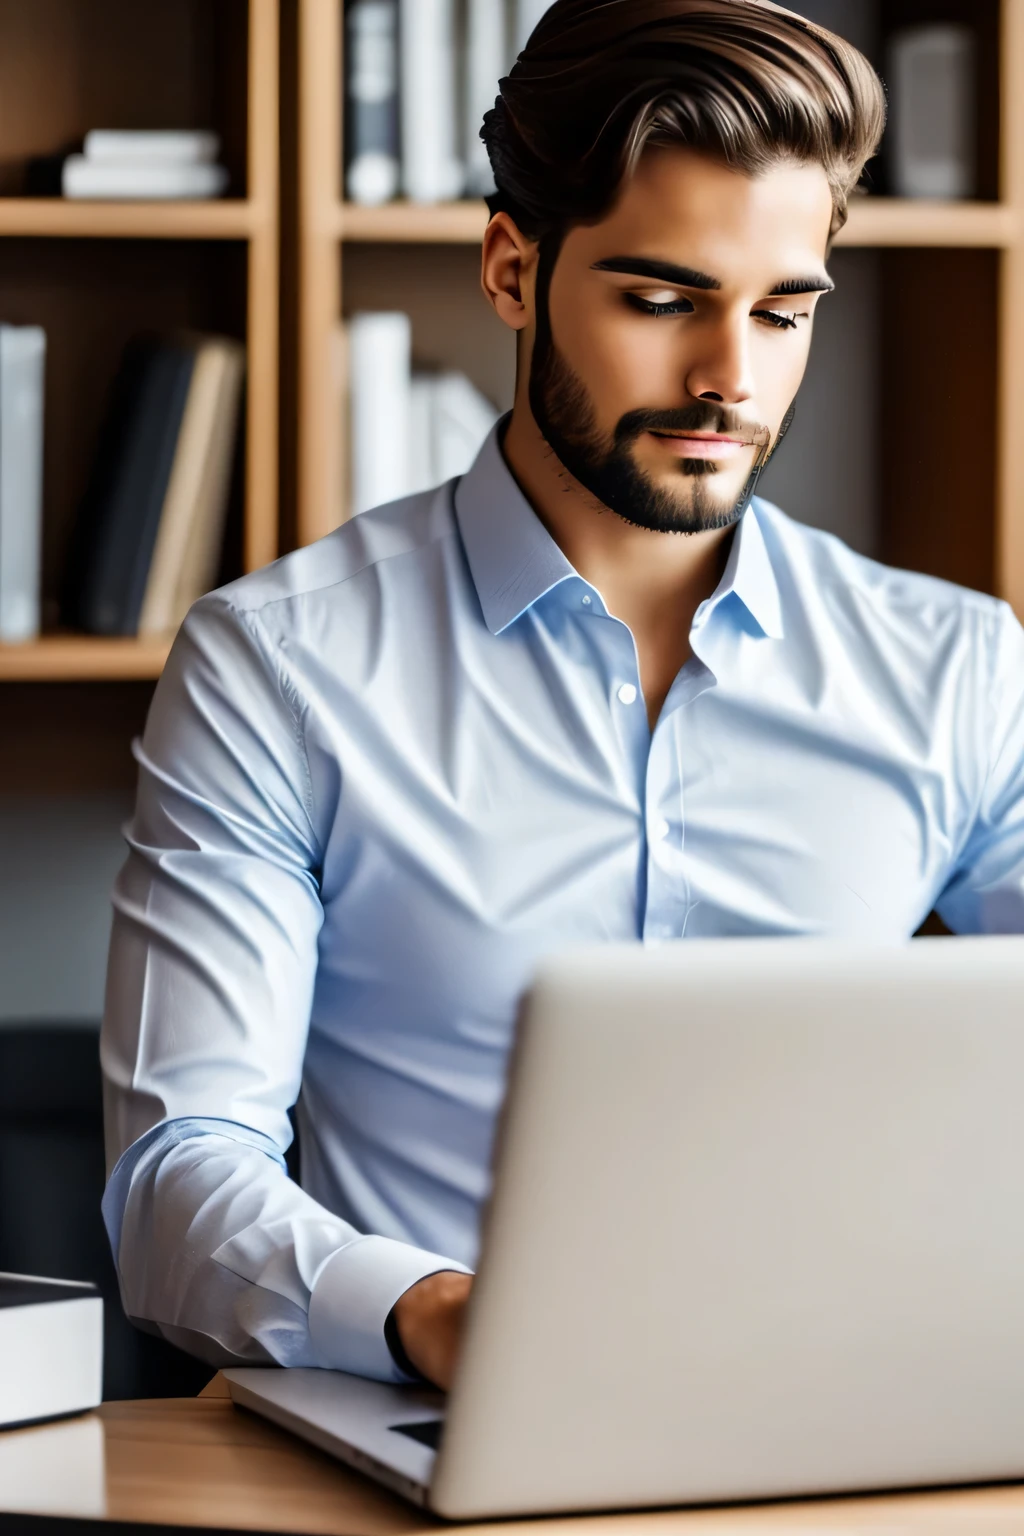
(757, 1230)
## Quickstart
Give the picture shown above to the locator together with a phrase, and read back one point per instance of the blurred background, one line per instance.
(232, 234)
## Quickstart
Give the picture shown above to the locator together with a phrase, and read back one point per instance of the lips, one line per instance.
(701, 445)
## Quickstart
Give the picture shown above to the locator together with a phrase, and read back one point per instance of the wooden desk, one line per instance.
(199, 1461)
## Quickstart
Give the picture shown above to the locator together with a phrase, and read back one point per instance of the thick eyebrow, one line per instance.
(664, 271)
(689, 277)
(797, 285)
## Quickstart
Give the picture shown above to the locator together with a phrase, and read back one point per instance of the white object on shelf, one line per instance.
(932, 104)
(449, 420)
(160, 146)
(22, 379)
(486, 62)
(372, 134)
(432, 171)
(84, 178)
(528, 13)
(380, 360)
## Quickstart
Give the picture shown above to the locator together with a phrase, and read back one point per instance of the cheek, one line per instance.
(779, 363)
(625, 362)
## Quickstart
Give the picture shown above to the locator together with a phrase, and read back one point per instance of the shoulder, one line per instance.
(358, 549)
(832, 584)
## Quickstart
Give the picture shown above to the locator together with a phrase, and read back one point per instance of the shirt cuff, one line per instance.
(352, 1296)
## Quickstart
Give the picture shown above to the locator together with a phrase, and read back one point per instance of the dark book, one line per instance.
(51, 1340)
(119, 516)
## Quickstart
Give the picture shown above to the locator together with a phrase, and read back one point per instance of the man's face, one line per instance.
(673, 335)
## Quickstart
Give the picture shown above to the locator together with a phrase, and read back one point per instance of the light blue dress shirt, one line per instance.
(384, 775)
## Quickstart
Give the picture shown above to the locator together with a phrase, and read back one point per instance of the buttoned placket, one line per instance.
(657, 760)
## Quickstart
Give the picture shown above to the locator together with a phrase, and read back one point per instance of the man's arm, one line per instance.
(985, 893)
(209, 987)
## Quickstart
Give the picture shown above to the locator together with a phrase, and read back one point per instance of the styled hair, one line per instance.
(744, 81)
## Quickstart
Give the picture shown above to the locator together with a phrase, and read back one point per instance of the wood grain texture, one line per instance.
(873, 221)
(262, 403)
(319, 306)
(199, 1461)
(1009, 530)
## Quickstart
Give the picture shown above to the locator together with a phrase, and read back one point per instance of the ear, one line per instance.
(507, 271)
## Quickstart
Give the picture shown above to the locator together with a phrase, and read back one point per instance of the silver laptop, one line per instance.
(757, 1230)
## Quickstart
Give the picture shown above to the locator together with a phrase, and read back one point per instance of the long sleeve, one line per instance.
(210, 979)
(986, 891)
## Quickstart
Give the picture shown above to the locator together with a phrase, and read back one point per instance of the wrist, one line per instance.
(427, 1326)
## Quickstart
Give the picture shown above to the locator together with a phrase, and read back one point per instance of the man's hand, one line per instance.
(430, 1318)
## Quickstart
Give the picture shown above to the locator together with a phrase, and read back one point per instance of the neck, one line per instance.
(648, 580)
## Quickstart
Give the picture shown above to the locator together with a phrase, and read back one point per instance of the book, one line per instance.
(51, 1344)
(22, 378)
(486, 62)
(134, 179)
(186, 555)
(448, 421)
(462, 419)
(932, 108)
(380, 352)
(159, 147)
(432, 170)
(119, 516)
(371, 101)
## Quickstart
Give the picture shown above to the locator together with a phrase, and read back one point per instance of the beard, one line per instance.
(605, 466)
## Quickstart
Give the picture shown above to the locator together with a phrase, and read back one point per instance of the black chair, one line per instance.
(51, 1183)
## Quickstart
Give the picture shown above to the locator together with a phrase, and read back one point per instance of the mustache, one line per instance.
(701, 416)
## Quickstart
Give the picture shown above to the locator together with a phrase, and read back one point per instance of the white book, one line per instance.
(931, 91)
(140, 179)
(159, 146)
(371, 59)
(380, 360)
(462, 419)
(432, 171)
(51, 1345)
(486, 61)
(22, 381)
(449, 420)
(420, 452)
(528, 13)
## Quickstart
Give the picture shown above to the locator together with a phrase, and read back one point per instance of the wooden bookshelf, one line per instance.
(82, 658)
(961, 521)
(92, 273)
(874, 221)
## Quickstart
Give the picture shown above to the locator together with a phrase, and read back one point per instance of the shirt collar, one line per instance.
(514, 561)
(749, 574)
(512, 557)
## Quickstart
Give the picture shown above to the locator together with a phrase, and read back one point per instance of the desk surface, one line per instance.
(199, 1461)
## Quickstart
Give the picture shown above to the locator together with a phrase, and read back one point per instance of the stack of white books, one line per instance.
(420, 76)
(410, 429)
(146, 164)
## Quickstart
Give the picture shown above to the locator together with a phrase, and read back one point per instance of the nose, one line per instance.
(720, 369)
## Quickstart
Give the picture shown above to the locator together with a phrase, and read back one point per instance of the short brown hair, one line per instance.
(743, 80)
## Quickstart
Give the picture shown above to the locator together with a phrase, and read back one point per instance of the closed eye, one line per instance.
(780, 319)
(678, 306)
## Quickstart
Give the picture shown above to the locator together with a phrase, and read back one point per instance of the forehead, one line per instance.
(745, 230)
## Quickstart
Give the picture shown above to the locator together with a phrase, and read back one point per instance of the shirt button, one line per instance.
(627, 694)
(586, 599)
(663, 830)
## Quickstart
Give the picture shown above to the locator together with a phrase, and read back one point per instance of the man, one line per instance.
(590, 691)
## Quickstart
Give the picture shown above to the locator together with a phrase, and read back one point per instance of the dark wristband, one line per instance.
(393, 1340)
